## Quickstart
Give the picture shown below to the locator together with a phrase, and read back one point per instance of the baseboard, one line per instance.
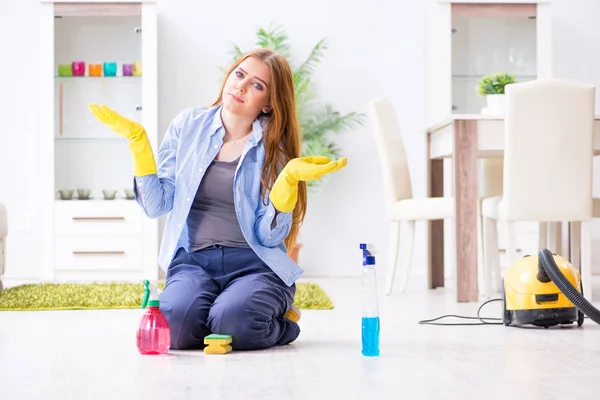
(11, 281)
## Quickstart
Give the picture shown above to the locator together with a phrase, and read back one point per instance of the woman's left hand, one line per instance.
(285, 190)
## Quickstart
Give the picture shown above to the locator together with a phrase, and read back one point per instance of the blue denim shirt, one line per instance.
(193, 140)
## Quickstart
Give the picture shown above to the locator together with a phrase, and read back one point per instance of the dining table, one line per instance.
(464, 138)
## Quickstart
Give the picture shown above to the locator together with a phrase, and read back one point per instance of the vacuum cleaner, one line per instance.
(544, 291)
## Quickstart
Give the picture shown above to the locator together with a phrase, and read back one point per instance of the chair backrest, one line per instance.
(549, 134)
(392, 155)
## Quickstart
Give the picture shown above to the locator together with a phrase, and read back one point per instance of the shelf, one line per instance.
(470, 77)
(97, 78)
(91, 139)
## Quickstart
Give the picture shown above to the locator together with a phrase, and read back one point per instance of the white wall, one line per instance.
(373, 51)
(377, 50)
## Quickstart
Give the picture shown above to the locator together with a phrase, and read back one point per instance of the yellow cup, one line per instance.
(137, 68)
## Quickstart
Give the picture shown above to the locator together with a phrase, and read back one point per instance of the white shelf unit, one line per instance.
(469, 39)
(483, 44)
(95, 239)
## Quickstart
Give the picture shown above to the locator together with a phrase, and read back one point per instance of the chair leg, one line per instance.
(542, 235)
(554, 241)
(586, 259)
(490, 238)
(575, 252)
(393, 243)
(408, 237)
(511, 242)
(480, 255)
(2, 261)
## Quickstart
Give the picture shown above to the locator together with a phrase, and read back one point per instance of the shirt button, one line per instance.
(140, 185)
(269, 237)
(188, 199)
(216, 146)
(270, 214)
(201, 169)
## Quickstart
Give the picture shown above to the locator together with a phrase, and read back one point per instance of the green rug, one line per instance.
(67, 296)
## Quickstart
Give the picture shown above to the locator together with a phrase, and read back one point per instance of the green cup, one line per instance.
(65, 70)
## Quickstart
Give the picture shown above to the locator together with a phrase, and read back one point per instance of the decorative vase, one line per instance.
(137, 68)
(65, 70)
(495, 104)
(78, 68)
(110, 69)
(127, 69)
(95, 70)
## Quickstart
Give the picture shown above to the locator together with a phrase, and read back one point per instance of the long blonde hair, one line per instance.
(281, 138)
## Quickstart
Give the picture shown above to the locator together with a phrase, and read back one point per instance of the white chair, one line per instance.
(547, 169)
(402, 209)
(3, 235)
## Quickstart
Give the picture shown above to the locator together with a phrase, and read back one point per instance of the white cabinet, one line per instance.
(482, 45)
(105, 53)
(467, 40)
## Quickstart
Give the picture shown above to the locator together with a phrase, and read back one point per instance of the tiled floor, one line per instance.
(92, 355)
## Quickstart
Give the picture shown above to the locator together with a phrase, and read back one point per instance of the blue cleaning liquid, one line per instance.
(370, 336)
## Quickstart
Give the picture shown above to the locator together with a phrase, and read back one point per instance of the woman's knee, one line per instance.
(187, 315)
(249, 329)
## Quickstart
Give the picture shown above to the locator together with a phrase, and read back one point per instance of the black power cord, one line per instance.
(482, 320)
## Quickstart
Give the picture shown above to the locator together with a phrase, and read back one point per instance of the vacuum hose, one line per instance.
(551, 269)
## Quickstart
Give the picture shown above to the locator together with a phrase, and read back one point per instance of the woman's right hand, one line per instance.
(123, 126)
(143, 157)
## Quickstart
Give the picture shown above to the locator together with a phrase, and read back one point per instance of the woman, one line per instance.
(233, 183)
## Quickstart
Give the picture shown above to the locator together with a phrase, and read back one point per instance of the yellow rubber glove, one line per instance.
(285, 190)
(143, 158)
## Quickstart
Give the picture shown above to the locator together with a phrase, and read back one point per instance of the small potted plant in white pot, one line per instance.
(492, 87)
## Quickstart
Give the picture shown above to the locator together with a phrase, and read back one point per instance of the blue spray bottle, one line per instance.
(370, 309)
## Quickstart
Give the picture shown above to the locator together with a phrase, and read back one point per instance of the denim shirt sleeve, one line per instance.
(272, 226)
(155, 193)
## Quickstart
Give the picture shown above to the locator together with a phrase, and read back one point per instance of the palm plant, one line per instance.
(318, 120)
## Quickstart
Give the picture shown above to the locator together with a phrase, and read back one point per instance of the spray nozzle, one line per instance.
(150, 295)
(368, 249)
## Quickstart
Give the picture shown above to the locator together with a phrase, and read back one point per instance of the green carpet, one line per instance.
(67, 296)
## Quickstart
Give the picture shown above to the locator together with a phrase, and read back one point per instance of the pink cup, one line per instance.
(78, 68)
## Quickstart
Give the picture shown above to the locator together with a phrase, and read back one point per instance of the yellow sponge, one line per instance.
(217, 344)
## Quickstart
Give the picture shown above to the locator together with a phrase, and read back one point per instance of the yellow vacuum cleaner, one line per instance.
(544, 291)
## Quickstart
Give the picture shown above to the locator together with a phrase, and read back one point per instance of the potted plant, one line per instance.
(318, 120)
(492, 87)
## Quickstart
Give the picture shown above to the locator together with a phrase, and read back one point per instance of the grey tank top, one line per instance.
(212, 219)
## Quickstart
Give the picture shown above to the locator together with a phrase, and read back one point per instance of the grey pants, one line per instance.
(226, 290)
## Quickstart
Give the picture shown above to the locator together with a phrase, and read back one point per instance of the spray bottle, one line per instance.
(153, 335)
(370, 309)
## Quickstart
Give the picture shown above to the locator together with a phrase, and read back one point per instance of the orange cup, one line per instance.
(95, 69)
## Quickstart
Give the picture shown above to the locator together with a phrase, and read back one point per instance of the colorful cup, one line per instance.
(127, 69)
(95, 69)
(78, 68)
(110, 69)
(137, 68)
(65, 70)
